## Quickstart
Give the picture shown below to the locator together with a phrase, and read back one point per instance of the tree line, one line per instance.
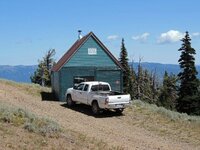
(176, 92)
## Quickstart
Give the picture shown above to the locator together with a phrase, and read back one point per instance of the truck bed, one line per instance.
(108, 93)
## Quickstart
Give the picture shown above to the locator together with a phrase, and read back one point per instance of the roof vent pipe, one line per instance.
(79, 34)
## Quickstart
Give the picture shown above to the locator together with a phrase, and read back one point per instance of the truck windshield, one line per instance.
(100, 87)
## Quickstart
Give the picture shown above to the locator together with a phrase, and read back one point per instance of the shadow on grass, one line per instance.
(85, 109)
(48, 96)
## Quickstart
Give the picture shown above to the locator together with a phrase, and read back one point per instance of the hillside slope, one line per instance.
(142, 126)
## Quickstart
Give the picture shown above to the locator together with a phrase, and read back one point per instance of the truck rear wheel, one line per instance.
(119, 111)
(95, 108)
(69, 100)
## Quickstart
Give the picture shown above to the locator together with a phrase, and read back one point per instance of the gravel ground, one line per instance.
(109, 127)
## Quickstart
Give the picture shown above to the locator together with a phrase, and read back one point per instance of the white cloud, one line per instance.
(170, 37)
(112, 37)
(195, 34)
(142, 38)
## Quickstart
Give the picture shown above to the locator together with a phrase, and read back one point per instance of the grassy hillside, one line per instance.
(33, 89)
(166, 123)
(22, 129)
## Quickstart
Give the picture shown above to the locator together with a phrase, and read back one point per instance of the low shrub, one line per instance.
(29, 121)
(173, 115)
(43, 126)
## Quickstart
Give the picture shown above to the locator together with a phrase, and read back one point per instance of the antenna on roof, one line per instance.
(79, 34)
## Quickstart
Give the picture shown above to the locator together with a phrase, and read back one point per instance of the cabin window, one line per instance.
(92, 51)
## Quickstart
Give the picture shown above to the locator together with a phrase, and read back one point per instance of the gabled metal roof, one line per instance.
(69, 54)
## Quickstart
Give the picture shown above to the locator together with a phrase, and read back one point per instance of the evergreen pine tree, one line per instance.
(139, 79)
(132, 83)
(188, 100)
(42, 75)
(168, 93)
(155, 86)
(124, 62)
(37, 76)
(146, 87)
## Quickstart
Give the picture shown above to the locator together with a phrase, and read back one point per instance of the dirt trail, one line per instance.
(110, 128)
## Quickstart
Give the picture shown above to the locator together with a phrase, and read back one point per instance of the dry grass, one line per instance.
(31, 89)
(164, 122)
(41, 133)
(30, 122)
(142, 126)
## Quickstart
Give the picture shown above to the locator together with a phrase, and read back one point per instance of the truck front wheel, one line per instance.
(69, 100)
(95, 108)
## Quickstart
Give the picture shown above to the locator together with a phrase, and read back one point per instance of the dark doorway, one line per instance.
(79, 79)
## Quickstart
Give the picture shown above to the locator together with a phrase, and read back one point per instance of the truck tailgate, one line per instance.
(119, 99)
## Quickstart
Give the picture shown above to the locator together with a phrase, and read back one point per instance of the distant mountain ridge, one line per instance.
(22, 73)
(161, 68)
(18, 73)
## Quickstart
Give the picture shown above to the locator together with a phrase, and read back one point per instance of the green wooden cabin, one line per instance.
(87, 60)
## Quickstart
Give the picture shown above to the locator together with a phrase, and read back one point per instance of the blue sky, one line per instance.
(151, 29)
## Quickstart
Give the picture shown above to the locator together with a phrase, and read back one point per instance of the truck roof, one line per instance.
(94, 82)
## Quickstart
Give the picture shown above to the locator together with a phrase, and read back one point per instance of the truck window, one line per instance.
(100, 87)
(106, 88)
(86, 87)
(80, 87)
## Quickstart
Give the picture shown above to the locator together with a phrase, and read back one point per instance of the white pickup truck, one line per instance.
(98, 95)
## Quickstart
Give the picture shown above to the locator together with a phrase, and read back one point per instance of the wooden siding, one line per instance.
(82, 58)
(67, 77)
(113, 77)
(110, 75)
(55, 83)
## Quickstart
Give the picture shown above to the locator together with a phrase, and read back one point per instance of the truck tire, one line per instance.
(119, 111)
(95, 108)
(69, 100)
